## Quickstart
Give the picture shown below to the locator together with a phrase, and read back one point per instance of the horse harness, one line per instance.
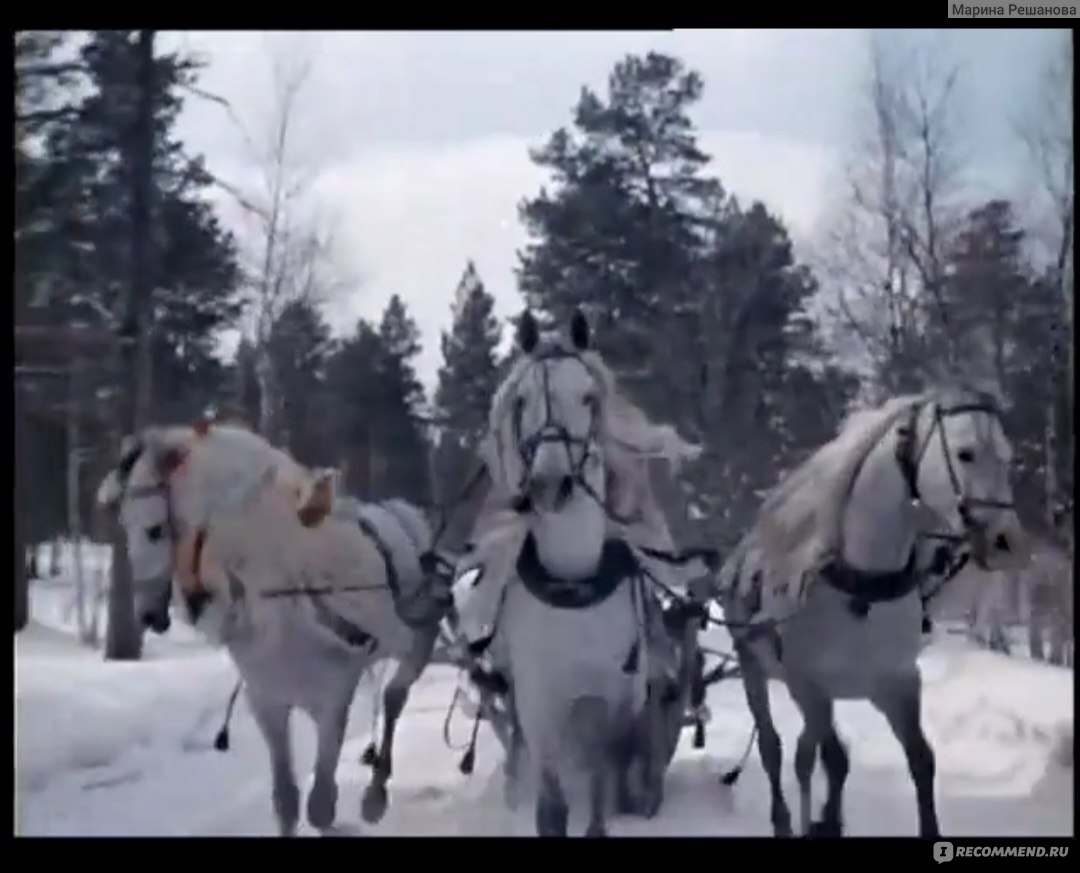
(868, 587)
(553, 432)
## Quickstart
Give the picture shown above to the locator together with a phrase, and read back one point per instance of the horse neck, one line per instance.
(879, 525)
(569, 542)
(256, 540)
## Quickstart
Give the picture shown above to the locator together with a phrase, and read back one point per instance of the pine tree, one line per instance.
(618, 233)
(354, 381)
(300, 346)
(466, 383)
(376, 409)
(195, 277)
(401, 341)
(129, 244)
(699, 305)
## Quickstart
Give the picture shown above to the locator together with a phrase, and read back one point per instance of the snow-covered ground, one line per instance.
(124, 749)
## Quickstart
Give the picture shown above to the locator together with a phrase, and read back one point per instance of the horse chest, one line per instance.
(847, 654)
(568, 645)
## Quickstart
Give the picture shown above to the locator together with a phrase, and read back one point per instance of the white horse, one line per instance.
(304, 590)
(827, 593)
(563, 601)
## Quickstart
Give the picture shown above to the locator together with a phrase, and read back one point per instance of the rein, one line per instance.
(551, 431)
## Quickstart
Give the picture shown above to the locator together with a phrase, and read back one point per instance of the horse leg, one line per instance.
(552, 813)
(816, 711)
(273, 722)
(589, 724)
(512, 765)
(834, 760)
(322, 800)
(373, 803)
(899, 701)
(755, 684)
(654, 764)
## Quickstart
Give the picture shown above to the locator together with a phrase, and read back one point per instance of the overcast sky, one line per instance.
(421, 139)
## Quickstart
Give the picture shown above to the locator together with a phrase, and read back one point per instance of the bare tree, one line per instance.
(123, 634)
(290, 249)
(1047, 130)
(888, 248)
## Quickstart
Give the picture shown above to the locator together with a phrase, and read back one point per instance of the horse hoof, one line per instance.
(511, 794)
(596, 830)
(823, 828)
(373, 804)
(322, 807)
(782, 829)
(651, 804)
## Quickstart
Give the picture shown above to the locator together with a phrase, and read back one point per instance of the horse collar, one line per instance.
(617, 563)
(869, 587)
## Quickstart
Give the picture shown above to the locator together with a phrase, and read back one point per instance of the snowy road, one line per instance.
(123, 749)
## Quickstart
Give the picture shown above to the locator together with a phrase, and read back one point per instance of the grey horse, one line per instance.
(306, 591)
(564, 610)
(826, 592)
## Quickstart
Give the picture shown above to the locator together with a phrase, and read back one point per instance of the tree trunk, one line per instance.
(22, 593)
(264, 374)
(123, 639)
(1035, 640)
(74, 520)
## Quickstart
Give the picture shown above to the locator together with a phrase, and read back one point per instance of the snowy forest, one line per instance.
(127, 277)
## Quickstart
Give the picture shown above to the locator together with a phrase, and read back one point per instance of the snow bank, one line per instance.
(121, 749)
(996, 722)
(75, 712)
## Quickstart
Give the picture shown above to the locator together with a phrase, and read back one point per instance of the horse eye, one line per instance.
(154, 532)
(965, 456)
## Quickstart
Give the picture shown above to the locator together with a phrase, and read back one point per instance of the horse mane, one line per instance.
(628, 437)
(234, 463)
(801, 517)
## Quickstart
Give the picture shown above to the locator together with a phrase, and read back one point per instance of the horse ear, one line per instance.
(528, 332)
(579, 330)
(109, 490)
(318, 501)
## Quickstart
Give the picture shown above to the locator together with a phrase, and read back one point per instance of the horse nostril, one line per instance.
(1001, 543)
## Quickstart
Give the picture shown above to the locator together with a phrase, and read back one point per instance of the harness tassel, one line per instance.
(630, 665)
(468, 760)
(699, 735)
(732, 775)
(221, 741)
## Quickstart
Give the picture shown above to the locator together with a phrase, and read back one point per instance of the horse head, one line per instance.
(173, 484)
